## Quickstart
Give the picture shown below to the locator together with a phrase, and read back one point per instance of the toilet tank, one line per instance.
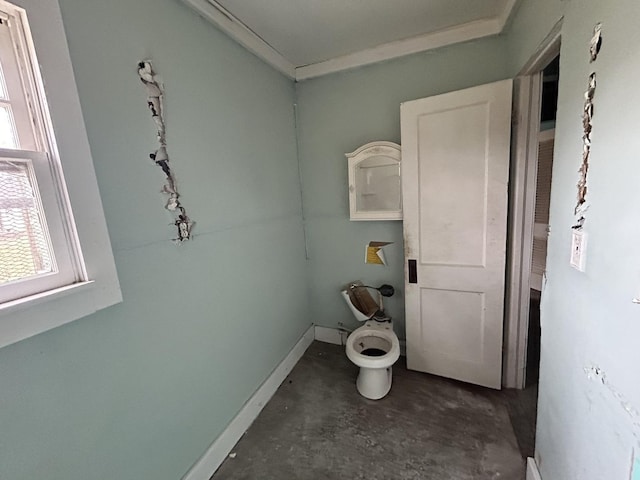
(360, 302)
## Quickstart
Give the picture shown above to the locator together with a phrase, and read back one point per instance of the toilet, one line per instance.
(373, 347)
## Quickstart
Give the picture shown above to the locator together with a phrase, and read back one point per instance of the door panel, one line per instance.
(457, 337)
(455, 161)
(459, 162)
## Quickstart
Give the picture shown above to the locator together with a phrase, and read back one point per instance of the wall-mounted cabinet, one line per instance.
(374, 182)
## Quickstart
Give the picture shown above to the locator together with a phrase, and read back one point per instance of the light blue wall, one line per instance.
(337, 114)
(528, 28)
(141, 389)
(588, 427)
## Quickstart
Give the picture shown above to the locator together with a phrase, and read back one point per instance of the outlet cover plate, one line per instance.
(578, 250)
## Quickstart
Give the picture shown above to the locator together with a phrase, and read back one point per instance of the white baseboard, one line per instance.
(336, 336)
(330, 335)
(205, 467)
(532, 469)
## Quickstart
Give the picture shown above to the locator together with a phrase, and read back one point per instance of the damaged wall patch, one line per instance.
(160, 157)
(587, 116)
(596, 42)
(587, 126)
(595, 373)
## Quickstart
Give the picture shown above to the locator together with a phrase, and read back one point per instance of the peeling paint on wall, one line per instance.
(596, 42)
(595, 373)
(160, 157)
(587, 117)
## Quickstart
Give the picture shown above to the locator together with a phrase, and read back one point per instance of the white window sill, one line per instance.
(30, 316)
(33, 300)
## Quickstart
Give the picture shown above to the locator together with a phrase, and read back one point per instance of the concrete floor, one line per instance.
(318, 427)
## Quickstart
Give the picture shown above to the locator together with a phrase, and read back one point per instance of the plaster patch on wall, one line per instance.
(595, 373)
(587, 115)
(596, 42)
(160, 157)
(587, 124)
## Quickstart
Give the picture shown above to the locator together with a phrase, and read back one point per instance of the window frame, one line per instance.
(36, 147)
(67, 268)
(96, 285)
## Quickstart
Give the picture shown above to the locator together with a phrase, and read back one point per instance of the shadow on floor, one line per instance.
(522, 404)
(317, 427)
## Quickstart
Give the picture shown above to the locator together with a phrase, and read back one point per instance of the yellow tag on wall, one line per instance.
(374, 253)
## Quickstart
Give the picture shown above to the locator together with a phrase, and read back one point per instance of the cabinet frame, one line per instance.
(390, 150)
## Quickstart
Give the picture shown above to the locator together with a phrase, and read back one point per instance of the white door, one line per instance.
(455, 170)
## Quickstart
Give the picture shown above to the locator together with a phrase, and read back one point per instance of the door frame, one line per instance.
(522, 198)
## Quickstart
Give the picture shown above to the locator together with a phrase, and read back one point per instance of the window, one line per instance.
(47, 253)
(39, 250)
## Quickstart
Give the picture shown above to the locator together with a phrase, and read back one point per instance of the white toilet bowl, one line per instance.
(374, 348)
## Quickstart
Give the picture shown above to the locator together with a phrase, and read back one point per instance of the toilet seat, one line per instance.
(380, 331)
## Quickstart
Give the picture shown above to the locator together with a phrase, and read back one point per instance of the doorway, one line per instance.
(447, 237)
(535, 104)
(546, 141)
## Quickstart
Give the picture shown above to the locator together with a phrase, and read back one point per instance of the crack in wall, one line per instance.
(587, 124)
(160, 157)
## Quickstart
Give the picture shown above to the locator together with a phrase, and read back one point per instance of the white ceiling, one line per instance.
(306, 38)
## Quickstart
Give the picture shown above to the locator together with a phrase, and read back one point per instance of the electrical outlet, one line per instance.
(578, 250)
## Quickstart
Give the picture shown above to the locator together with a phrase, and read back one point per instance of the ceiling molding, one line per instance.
(387, 51)
(236, 29)
(214, 12)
